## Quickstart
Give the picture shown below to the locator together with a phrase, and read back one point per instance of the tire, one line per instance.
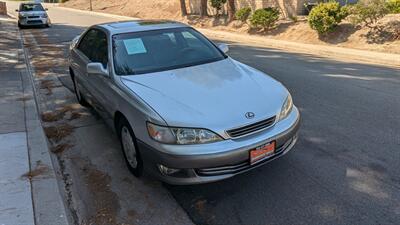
(129, 148)
(20, 26)
(78, 93)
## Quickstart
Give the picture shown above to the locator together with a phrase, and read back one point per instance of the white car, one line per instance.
(32, 14)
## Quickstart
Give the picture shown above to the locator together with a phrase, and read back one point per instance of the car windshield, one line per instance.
(160, 50)
(31, 7)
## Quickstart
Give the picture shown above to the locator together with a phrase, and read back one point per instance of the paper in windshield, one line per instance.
(134, 46)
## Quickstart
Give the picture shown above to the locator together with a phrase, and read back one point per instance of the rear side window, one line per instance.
(94, 46)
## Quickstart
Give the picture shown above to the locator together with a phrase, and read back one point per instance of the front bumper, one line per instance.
(33, 21)
(219, 160)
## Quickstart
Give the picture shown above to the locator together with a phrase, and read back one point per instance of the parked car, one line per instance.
(32, 14)
(183, 110)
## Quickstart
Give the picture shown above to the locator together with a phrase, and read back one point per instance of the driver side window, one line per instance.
(94, 46)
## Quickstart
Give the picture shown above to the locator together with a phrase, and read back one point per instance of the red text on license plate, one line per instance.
(262, 152)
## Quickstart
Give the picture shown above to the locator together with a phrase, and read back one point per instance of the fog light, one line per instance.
(167, 171)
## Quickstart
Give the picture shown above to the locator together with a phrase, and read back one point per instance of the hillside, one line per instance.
(346, 35)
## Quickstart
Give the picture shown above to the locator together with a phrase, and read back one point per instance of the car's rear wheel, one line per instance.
(78, 93)
(129, 148)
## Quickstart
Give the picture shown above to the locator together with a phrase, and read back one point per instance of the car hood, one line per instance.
(215, 96)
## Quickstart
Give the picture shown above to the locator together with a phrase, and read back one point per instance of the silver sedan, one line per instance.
(184, 111)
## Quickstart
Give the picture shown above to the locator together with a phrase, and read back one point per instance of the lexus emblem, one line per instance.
(249, 115)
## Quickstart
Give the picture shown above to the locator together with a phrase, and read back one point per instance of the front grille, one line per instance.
(33, 22)
(33, 17)
(242, 166)
(237, 132)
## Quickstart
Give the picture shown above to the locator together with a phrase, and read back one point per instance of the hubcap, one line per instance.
(129, 147)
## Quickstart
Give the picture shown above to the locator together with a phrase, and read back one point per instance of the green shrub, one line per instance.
(326, 16)
(217, 4)
(293, 18)
(368, 12)
(265, 18)
(243, 14)
(393, 6)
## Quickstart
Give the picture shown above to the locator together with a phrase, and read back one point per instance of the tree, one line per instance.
(183, 7)
(231, 10)
(217, 4)
(203, 8)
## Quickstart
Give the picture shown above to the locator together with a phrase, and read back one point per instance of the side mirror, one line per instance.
(46, 9)
(223, 47)
(16, 10)
(96, 68)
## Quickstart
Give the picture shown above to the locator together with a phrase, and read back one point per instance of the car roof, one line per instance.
(139, 25)
(30, 3)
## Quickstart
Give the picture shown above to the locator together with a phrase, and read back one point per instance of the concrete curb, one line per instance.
(338, 53)
(48, 205)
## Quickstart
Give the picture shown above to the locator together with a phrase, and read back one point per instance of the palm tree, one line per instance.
(203, 8)
(231, 10)
(183, 7)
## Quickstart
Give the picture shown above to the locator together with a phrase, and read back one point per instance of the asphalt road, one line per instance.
(345, 167)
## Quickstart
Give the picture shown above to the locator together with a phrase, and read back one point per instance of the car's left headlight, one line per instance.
(45, 16)
(286, 108)
(181, 136)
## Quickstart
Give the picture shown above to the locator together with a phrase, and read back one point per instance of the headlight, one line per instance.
(286, 108)
(21, 16)
(181, 136)
(44, 16)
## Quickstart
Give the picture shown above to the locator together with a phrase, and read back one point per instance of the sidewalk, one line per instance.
(29, 192)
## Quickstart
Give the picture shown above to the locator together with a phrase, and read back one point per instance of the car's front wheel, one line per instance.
(129, 148)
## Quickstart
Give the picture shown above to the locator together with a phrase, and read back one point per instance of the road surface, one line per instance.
(345, 167)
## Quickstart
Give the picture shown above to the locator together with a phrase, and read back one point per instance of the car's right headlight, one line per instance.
(181, 136)
(286, 108)
(20, 16)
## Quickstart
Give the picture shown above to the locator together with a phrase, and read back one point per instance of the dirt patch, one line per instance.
(48, 85)
(132, 214)
(39, 170)
(60, 148)
(201, 207)
(105, 201)
(346, 35)
(59, 132)
(148, 9)
(51, 116)
(75, 115)
(60, 113)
